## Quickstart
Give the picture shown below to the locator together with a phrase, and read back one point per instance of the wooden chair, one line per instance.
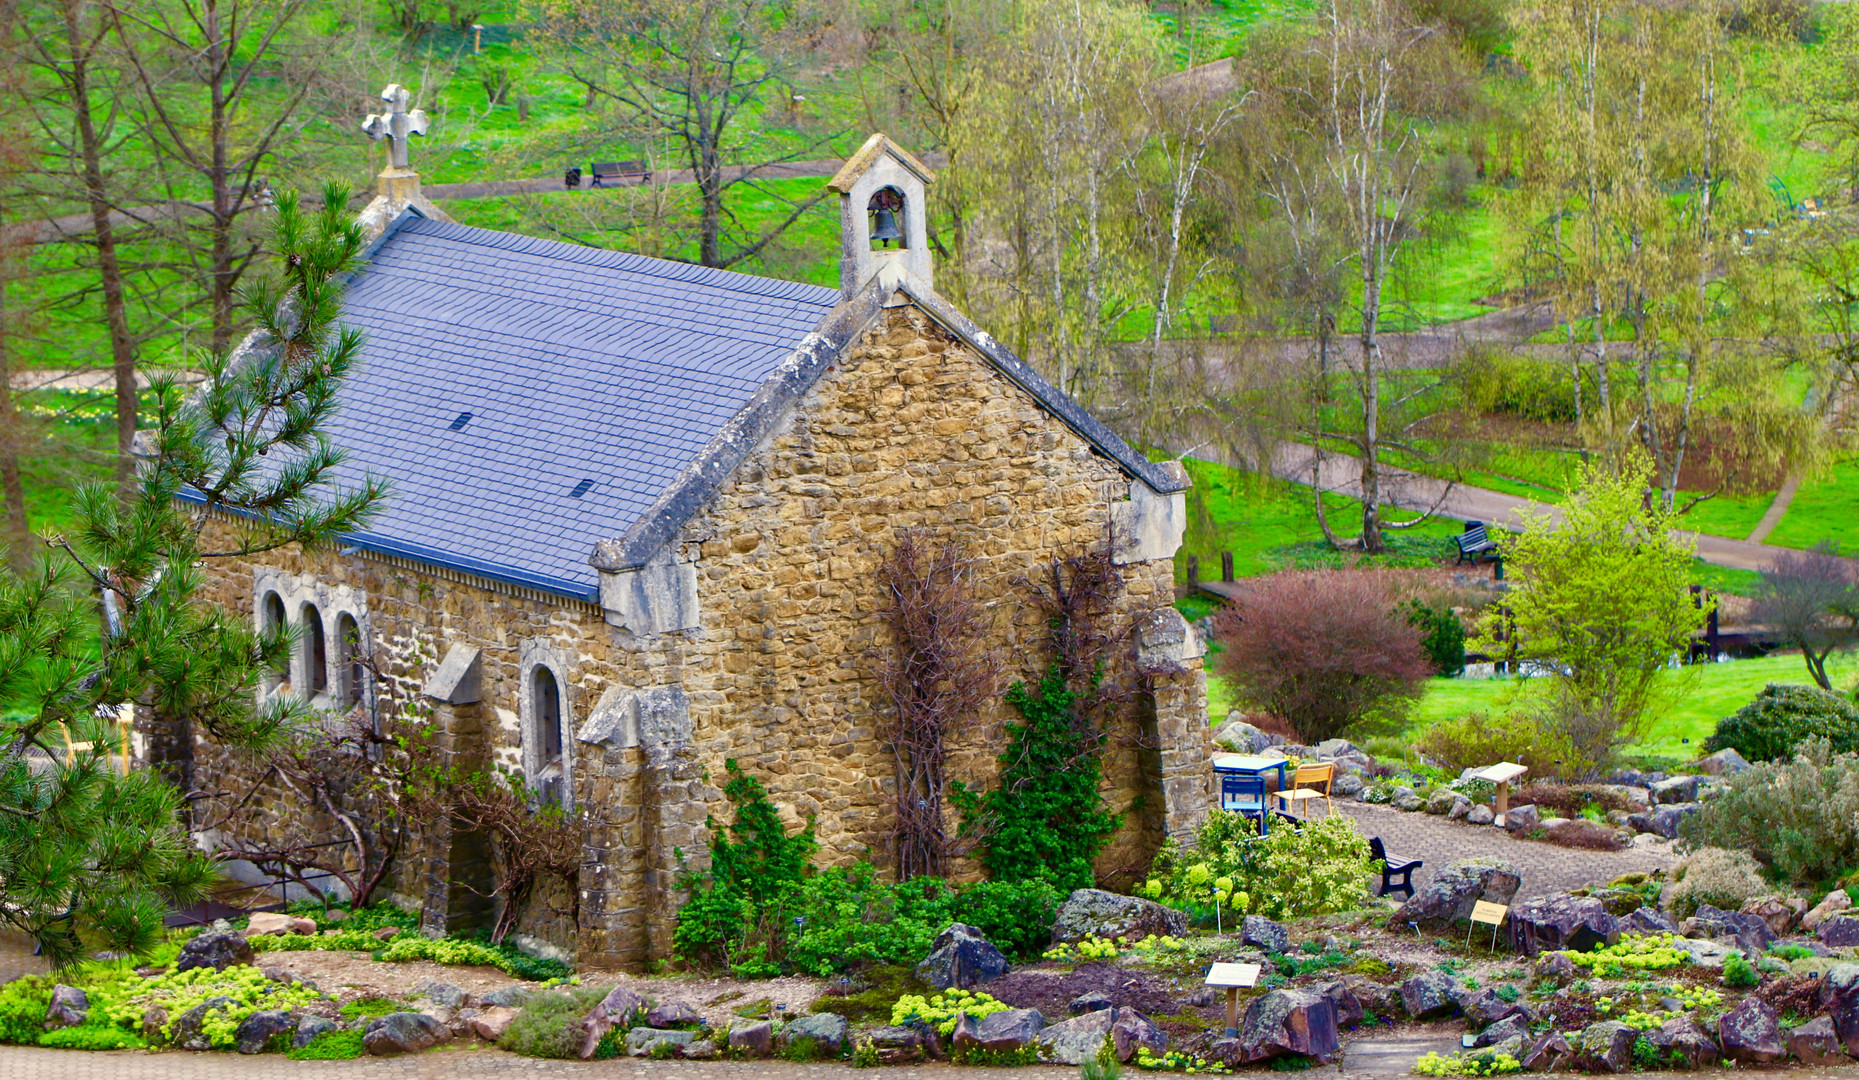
(1243, 794)
(1392, 868)
(1310, 782)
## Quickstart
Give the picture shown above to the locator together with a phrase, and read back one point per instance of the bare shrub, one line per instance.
(1569, 800)
(1323, 650)
(1719, 877)
(1587, 835)
(1476, 740)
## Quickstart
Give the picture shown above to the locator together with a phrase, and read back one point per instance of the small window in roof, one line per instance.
(581, 489)
(459, 424)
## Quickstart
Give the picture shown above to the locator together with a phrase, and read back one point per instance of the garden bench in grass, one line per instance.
(612, 171)
(1476, 542)
(1392, 868)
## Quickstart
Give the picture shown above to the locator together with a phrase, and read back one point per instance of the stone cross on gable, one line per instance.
(396, 124)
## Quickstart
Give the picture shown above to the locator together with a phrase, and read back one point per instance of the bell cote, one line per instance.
(882, 224)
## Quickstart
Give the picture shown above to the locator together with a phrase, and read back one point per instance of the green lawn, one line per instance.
(1700, 696)
(1825, 508)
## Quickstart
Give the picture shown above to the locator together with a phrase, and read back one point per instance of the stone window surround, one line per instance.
(331, 603)
(542, 652)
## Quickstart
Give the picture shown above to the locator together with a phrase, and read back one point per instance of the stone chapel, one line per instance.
(637, 513)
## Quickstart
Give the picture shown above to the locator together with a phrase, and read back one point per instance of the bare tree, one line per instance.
(15, 158)
(1810, 599)
(687, 71)
(195, 62)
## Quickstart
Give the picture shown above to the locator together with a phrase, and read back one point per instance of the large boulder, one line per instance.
(618, 1009)
(752, 1040)
(1840, 931)
(1816, 1043)
(402, 1033)
(443, 994)
(1479, 814)
(1097, 913)
(1001, 1032)
(1781, 914)
(1839, 995)
(490, 1024)
(1290, 1021)
(1131, 1030)
(276, 922)
(1546, 1052)
(309, 1027)
(1663, 820)
(1241, 737)
(69, 1007)
(674, 1014)
(1511, 1027)
(1441, 800)
(1830, 905)
(1266, 934)
(1430, 994)
(1454, 890)
(216, 949)
(1647, 920)
(1606, 1046)
(1751, 932)
(1349, 1008)
(961, 957)
(1683, 1044)
(1751, 1033)
(1561, 921)
(188, 1031)
(1075, 1041)
(1706, 953)
(827, 1030)
(256, 1032)
(1484, 1006)
(894, 1044)
(643, 1041)
(1523, 818)
(510, 997)
(1679, 789)
(1722, 763)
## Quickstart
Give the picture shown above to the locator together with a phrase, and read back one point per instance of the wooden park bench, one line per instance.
(614, 171)
(1475, 542)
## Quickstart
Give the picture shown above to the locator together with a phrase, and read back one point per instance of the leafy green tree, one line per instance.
(91, 856)
(1602, 605)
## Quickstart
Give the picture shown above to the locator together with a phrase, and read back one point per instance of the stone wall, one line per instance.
(912, 430)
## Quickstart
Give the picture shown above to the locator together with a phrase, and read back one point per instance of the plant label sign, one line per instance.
(1231, 978)
(1484, 911)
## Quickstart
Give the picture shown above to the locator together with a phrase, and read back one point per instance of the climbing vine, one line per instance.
(937, 674)
(1047, 820)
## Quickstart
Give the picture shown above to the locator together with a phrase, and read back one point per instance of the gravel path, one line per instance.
(1546, 868)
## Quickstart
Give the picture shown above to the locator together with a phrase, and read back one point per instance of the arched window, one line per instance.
(315, 652)
(545, 700)
(353, 675)
(275, 624)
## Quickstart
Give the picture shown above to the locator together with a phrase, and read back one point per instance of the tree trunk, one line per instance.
(109, 266)
(18, 529)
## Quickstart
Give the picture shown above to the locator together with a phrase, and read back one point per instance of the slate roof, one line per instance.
(575, 364)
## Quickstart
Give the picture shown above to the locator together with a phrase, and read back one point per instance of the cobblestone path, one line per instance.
(1545, 868)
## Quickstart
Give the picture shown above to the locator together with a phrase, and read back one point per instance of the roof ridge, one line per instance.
(669, 269)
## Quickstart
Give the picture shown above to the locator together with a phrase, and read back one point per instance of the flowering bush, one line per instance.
(124, 1002)
(1634, 952)
(1484, 1064)
(1321, 868)
(1091, 948)
(1175, 1061)
(941, 1009)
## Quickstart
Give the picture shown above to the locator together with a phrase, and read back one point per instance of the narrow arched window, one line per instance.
(274, 624)
(354, 675)
(315, 652)
(546, 715)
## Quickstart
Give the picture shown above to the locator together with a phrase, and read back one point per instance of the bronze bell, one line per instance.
(886, 227)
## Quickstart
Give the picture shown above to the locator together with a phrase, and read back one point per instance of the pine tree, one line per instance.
(91, 858)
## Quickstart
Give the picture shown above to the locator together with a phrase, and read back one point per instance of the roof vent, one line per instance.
(581, 489)
(459, 424)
